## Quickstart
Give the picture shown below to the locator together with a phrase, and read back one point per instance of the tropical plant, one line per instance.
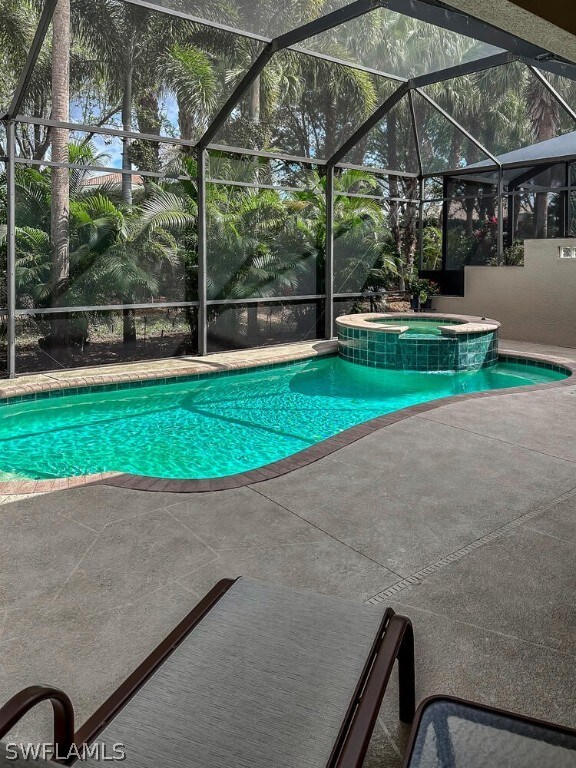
(116, 252)
(362, 257)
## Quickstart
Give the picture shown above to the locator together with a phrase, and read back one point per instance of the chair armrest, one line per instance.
(22, 702)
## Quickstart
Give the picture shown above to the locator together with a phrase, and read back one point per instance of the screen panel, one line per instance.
(302, 106)
(99, 337)
(141, 70)
(241, 168)
(238, 326)
(269, 18)
(391, 144)
(398, 45)
(471, 225)
(106, 251)
(375, 237)
(504, 108)
(432, 236)
(566, 88)
(264, 242)
(443, 146)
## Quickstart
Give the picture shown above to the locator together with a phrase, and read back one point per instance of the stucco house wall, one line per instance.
(536, 302)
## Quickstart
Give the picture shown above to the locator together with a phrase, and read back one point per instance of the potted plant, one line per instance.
(415, 288)
(421, 291)
(428, 289)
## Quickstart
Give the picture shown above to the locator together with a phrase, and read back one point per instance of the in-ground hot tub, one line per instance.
(423, 342)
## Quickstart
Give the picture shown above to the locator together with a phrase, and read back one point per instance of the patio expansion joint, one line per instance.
(548, 535)
(326, 533)
(217, 555)
(483, 628)
(394, 746)
(83, 557)
(80, 523)
(493, 437)
(417, 578)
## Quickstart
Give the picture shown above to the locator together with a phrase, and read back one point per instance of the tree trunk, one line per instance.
(329, 124)
(127, 126)
(254, 105)
(185, 122)
(60, 183)
(128, 325)
(254, 101)
(455, 145)
(469, 206)
(252, 327)
(541, 216)
(545, 119)
(410, 225)
(394, 215)
(146, 154)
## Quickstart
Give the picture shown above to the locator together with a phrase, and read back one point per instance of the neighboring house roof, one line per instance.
(557, 150)
(111, 178)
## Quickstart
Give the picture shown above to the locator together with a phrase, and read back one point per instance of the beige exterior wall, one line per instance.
(536, 302)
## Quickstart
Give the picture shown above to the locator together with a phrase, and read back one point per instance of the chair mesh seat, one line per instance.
(264, 681)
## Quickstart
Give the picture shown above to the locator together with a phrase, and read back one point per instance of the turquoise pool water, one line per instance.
(222, 425)
(421, 327)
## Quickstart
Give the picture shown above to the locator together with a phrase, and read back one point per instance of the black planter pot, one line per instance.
(415, 303)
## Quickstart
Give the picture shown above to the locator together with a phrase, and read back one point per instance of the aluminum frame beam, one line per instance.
(102, 308)
(461, 70)
(416, 137)
(500, 230)
(548, 63)
(526, 175)
(11, 251)
(158, 8)
(202, 255)
(329, 256)
(378, 171)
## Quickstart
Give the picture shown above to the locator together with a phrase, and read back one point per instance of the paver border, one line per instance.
(291, 463)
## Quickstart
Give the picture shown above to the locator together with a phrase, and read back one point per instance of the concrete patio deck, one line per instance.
(463, 518)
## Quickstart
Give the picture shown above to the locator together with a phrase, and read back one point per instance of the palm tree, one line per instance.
(60, 194)
(362, 258)
(544, 114)
(114, 250)
(16, 31)
(155, 52)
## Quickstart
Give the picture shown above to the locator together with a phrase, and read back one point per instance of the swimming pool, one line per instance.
(221, 425)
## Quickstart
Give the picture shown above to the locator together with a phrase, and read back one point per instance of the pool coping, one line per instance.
(295, 461)
(119, 375)
(368, 321)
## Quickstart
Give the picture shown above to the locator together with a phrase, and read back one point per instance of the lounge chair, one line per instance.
(256, 676)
